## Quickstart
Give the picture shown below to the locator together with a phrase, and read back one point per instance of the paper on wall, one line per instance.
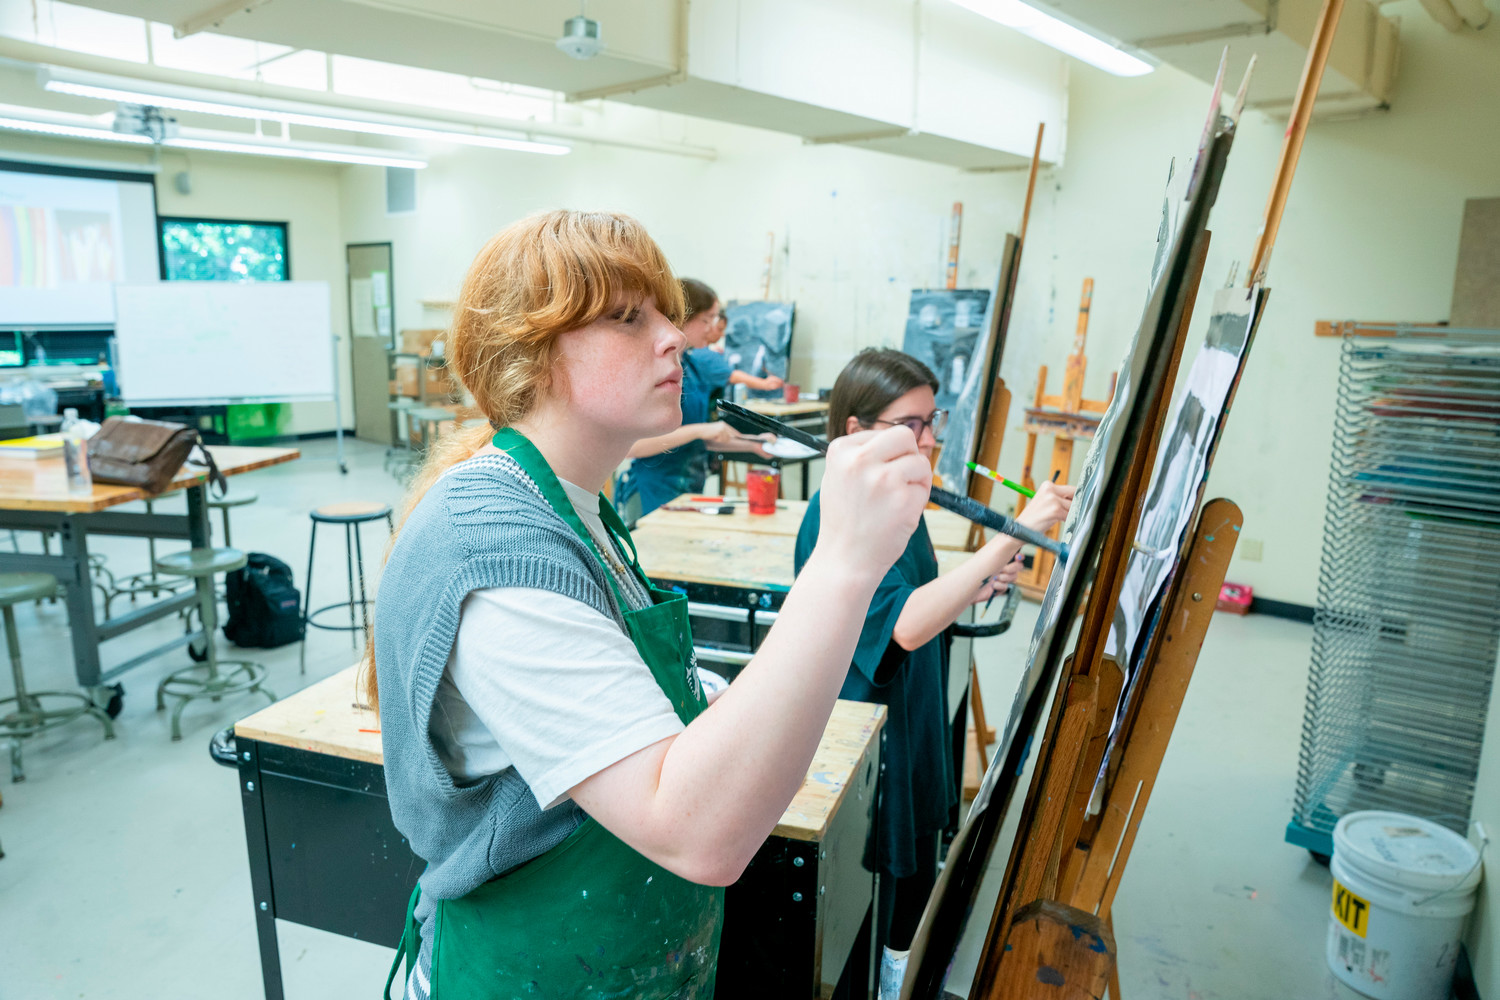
(361, 308)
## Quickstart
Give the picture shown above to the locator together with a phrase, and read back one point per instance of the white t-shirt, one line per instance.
(546, 684)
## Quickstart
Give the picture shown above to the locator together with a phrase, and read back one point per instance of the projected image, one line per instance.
(67, 238)
(86, 246)
(223, 250)
(23, 247)
(50, 247)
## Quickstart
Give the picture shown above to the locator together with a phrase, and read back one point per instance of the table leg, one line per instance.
(805, 466)
(199, 530)
(79, 594)
(251, 797)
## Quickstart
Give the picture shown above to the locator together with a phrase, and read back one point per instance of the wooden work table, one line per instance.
(948, 530)
(326, 718)
(42, 484)
(751, 552)
(34, 497)
(324, 852)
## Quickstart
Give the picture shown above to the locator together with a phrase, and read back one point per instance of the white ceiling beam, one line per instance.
(46, 55)
(214, 16)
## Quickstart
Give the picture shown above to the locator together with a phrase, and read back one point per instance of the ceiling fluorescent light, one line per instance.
(70, 131)
(325, 154)
(1060, 35)
(235, 106)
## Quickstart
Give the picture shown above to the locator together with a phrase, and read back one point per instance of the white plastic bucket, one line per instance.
(1402, 890)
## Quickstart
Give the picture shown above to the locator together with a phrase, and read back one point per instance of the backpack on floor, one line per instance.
(265, 609)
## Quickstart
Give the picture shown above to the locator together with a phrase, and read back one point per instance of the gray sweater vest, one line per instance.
(483, 525)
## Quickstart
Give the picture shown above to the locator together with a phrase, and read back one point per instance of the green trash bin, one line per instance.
(251, 421)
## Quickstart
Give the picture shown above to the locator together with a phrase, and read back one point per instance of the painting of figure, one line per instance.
(758, 340)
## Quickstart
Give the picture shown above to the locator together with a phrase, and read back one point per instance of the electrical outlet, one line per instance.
(1249, 549)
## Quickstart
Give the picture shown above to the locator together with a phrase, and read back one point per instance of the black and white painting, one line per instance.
(942, 331)
(1177, 479)
(758, 340)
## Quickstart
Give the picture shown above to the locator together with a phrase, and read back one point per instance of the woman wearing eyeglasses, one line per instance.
(901, 660)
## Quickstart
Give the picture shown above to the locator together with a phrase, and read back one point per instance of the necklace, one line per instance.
(614, 563)
(606, 548)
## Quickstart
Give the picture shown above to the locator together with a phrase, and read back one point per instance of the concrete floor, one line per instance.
(125, 873)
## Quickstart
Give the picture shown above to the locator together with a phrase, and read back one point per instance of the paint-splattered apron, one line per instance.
(591, 917)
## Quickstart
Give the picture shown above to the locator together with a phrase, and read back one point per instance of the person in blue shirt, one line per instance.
(671, 464)
(901, 660)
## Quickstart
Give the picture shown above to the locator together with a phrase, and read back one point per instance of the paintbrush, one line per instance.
(971, 510)
(989, 473)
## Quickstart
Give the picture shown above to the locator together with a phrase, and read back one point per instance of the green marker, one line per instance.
(991, 473)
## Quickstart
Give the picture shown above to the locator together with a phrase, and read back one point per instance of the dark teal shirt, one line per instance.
(917, 786)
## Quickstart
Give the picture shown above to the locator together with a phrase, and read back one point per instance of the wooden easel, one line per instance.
(1047, 859)
(994, 411)
(1068, 417)
(1062, 855)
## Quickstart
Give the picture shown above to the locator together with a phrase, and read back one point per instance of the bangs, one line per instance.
(587, 262)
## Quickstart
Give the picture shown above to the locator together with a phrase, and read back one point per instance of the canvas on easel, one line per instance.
(758, 340)
(1101, 488)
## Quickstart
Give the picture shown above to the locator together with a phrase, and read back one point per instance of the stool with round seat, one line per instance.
(351, 515)
(147, 581)
(31, 715)
(225, 503)
(206, 680)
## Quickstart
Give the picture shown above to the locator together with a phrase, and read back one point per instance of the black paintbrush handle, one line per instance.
(964, 507)
(977, 512)
(764, 424)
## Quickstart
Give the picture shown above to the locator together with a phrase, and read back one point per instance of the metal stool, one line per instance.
(204, 680)
(31, 716)
(224, 503)
(149, 581)
(351, 515)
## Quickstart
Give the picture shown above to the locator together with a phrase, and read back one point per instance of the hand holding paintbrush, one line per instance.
(963, 506)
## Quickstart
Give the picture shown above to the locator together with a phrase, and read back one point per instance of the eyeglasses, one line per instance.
(938, 422)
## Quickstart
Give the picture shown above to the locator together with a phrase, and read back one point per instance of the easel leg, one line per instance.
(1114, 967)
(1055, 951)
(981, 729)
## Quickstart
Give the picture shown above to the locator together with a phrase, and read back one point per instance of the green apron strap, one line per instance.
(616, 527)
(534, 463)
(410, 946)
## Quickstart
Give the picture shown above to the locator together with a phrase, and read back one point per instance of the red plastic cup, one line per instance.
(764, 486)
(791, 392)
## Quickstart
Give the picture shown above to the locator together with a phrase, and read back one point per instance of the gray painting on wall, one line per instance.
(942, 331)
(758, 340)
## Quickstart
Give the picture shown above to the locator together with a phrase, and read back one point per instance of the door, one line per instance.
(372, 328)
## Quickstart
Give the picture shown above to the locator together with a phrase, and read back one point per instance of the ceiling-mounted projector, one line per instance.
(581, 37)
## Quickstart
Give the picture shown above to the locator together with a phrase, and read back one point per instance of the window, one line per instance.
(223, 250)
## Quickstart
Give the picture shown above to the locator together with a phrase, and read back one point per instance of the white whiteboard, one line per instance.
(211, 342)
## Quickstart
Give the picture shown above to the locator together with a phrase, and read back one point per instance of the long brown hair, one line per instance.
(538, 278)
(873, 380)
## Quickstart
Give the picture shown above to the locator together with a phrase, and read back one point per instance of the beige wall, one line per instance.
(303, 194)
(855, 230)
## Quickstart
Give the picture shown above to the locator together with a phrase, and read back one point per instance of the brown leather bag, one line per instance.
(146, 454)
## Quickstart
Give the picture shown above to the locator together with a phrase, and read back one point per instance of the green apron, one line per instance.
(591, 917)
